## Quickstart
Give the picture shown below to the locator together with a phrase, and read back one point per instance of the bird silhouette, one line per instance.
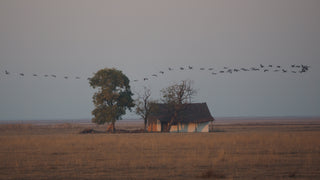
(35, 75)
(266, 70)
(305, 67)
(236, 70)
(154, 75)
(53, 76)
(145, 79)
(262, 66)
(21, 74)
(284, 70)
(190, 67)
(270, 65)
(161, 72)
(254, 69)
(181, 68)
(210, 69)
(229, 71)
(66, 77)
(7, 72)
(170, 69)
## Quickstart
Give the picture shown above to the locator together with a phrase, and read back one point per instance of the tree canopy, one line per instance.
(174, 97)
(113, 98)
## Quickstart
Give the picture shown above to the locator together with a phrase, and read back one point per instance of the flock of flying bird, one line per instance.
(8, 73)
(294, 68)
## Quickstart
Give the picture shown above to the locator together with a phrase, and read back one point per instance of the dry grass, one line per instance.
(238, 152)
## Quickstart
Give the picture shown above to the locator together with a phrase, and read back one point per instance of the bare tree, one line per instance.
(144, 106)
(176, 96)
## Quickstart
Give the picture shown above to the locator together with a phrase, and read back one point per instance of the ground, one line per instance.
(246, 150)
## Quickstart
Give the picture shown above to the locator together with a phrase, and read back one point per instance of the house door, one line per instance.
(164, 127)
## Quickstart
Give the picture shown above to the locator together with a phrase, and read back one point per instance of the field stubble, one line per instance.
(237, 152)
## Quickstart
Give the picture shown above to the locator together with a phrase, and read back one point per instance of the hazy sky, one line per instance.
(142, 37)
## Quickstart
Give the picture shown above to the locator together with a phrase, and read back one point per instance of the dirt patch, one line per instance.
(89, 131)
(118, 131)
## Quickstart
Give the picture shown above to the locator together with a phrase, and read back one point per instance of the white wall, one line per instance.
(191, 127)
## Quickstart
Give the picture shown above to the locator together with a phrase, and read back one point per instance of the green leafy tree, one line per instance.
(175, 97)
(113, 98)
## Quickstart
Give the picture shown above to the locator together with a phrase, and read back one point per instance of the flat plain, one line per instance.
(277, 149)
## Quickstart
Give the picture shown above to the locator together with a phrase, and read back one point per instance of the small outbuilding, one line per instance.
(193, 117)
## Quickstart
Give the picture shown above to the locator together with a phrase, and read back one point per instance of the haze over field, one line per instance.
(75, 38)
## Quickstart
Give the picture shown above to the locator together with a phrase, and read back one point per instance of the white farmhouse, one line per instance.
(193, 117)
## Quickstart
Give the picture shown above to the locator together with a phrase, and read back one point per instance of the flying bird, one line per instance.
(66, 77)
(254, 69)
(210, 69)
(7, 72)
(35, 75)
(21, 74)
(170, 69)
(161, 72)
(145, 79)
(181, 68)
(305, 67)
(154, 75)
(190, 67)
(53, 76)
(262, 66)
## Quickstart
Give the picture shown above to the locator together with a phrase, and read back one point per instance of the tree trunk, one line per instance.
(145, 125)
(113, 127)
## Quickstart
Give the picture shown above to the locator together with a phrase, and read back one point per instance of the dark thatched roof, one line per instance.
(194, 112)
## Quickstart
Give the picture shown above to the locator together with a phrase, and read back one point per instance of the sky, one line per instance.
(76, 38)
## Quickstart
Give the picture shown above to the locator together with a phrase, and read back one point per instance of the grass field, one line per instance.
(235, 151)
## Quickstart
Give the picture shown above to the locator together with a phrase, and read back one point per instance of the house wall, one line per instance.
(191, 127)
(155, 126)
